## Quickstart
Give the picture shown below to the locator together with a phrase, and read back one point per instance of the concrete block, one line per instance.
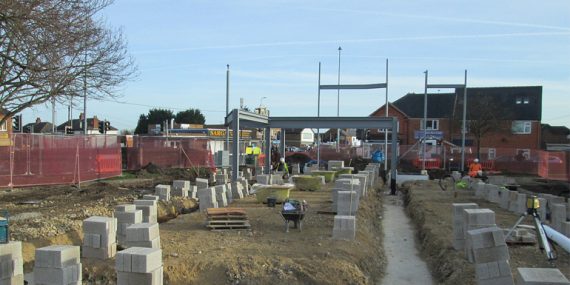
(181, 184)
(565, 229)
(132, 217)
(513, 198)
(222, 178)
(149, 213)
(557, 216)
(150, 197)
(277, 179)
(201, 183)
(64, 275)
(245, 186)
(478, 217)
(347, 203)
(344, 227)
(493, 193)
(146, 202)
(540, 276)
(263, 179)
(335, 164)
(57, 256)
(102, 253)
(154, 243)
(458, 229)
(490, 254)
(162, 191)
(180, 192)
(139, 259)
(142, 232)
(12, 249)
(125, 208)
(237, 190)
(13, 280)
(154, 277)
(207, 197)
(221, 197)
(504, 198)
(100, 225)
(521, 203)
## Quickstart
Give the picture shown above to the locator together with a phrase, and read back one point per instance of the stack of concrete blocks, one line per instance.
(347, 203)
(375, 168)
(11, 263)
(143, 235)
(542, 210)
(207, 198)
(344, 227)
(344, 184)
(480, 190)
(149, 210)
(221, 196)
(99, 237)
(247, 174)
(277, 179)
(458, 230)
(126, 215)
(162, 191)
(513, 198)
(237, 190)
(138, 266)
(58, 264)
(229, 193)
(541, 276)
(505, 198)
(520, 235)
(521, 204)
(362, 178)
(476, 219)
(259, 170)
(150, 197)
(201, 183)
(263, 179)
(490, 255)
(244, 185)
(295, 169)
(222, 178)
(557, 216)
(180, 188)
(492, 194)
(335, 164)
(193, 192)
(501, 180)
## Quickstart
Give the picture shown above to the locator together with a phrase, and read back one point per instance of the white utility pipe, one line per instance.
(560, 239)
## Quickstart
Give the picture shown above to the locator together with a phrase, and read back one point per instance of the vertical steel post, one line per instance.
(282, 143)
(394, 162)
(318, 116)
(386, 130)
(85, 100)
(267, 150)
(235, 151)
(463, 128)
(338, 101)
(424, 124)
(227, 106)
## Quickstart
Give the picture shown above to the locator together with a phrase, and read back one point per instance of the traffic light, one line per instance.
(107, 126)
(17, 123)
(101, 127)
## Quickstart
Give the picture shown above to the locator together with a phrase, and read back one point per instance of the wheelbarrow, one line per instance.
(293, 211)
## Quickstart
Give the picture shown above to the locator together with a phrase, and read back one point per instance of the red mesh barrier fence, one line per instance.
(31, 159)
(168, 152)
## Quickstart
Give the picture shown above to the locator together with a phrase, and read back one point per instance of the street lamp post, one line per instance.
(227, 106)
(338, 101)
(261, 102)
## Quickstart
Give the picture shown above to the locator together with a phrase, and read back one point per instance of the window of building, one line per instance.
(492, 153)
(522, 100)
(430, 124)
(3, 126)
(521, 127)
(389, 131)
(522, 154)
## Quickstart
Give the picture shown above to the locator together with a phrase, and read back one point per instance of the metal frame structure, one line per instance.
(338, 87)
(238, 118)
(445, 86)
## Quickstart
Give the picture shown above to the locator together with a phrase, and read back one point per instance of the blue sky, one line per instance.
(273, 48)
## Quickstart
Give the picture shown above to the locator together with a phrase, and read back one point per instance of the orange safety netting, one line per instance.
(30, 159)
(168, 152)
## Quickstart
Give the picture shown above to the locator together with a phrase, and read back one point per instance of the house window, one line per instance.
(522, 154)
(521, 127)
(3, 127)
(430, 124)
(492, 153)
(522, 100)
(397, 128)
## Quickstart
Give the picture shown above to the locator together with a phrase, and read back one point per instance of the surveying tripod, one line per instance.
(532, 204)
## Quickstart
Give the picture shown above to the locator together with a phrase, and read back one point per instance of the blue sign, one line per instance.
(429, 134)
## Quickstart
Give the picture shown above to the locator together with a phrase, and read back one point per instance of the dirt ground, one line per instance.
(431, 211)
(194, 255)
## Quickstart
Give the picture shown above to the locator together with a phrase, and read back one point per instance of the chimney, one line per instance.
(95, 122)
(38, 120)
(81, 117)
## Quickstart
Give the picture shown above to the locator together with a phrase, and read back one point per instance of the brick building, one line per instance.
(512, 116)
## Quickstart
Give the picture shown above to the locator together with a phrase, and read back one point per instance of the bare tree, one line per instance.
(52, 49)
(484, 117)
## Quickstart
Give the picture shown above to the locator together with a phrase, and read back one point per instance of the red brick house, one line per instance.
(515, 126)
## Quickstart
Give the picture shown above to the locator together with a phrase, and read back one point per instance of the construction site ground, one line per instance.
(192, 254)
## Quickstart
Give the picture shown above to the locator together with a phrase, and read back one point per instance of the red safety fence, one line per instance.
(32, 159)
(168, 152)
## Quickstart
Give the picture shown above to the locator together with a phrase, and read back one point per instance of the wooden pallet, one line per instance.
(227, 219)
